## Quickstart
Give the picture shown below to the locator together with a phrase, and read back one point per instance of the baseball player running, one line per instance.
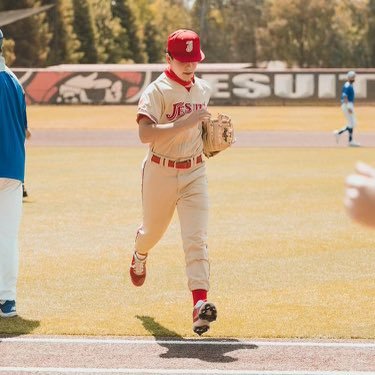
(13, 127)
(170, 115)
(347, 106)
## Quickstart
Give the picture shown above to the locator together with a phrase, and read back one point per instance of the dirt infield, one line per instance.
(129, 138)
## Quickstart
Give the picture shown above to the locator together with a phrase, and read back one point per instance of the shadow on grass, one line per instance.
(208, 350)
(11, 327)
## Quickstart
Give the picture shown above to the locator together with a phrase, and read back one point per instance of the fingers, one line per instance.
(196, 118)
(356, 181)
(350, 208)
(364, 169)
(352, 193)
(204, 113)
(353, 204)
(364, 176)
(206, 117)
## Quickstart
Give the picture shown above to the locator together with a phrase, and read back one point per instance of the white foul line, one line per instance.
(85, 370)
(89, 341)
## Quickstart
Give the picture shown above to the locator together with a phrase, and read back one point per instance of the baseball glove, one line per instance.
(217, 135)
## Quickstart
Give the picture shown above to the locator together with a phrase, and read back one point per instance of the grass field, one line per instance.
(286, 260)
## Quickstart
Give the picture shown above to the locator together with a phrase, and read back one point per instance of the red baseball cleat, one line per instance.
(203, 314)
(138, 270)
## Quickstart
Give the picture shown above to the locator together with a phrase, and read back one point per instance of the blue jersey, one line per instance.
(13, 125)
(347, 91)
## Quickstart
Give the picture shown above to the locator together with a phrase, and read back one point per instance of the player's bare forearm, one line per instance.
(149, 131)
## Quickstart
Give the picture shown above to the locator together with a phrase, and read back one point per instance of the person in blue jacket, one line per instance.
(13, 128)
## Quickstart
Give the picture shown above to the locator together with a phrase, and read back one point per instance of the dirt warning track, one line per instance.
(37, 354)
(129, 138)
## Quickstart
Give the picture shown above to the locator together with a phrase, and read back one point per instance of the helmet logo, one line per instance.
(189, 46)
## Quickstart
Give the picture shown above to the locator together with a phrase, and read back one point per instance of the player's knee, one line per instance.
(149, 237)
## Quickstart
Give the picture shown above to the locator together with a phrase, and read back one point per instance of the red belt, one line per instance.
(183, 164)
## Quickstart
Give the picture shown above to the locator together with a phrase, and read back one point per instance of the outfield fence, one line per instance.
(232, 84)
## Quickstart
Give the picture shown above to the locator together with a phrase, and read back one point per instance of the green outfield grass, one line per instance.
(244, 118)
(286, 261)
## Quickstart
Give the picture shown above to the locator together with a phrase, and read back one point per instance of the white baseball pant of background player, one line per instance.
(348, 109)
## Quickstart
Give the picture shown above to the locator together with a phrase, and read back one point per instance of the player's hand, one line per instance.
(360, 195)
(196, 118)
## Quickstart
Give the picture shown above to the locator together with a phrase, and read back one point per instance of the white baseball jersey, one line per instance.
(165, 101)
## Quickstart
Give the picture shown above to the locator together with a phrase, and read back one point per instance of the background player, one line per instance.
(170, 115)
(13, 127)
(347, 106)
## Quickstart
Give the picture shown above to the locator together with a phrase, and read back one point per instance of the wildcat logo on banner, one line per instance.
(83, 88)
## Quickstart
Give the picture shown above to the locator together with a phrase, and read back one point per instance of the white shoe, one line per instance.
(354, 144)
(337, 135)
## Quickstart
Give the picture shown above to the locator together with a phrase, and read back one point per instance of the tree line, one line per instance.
(301, 33)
